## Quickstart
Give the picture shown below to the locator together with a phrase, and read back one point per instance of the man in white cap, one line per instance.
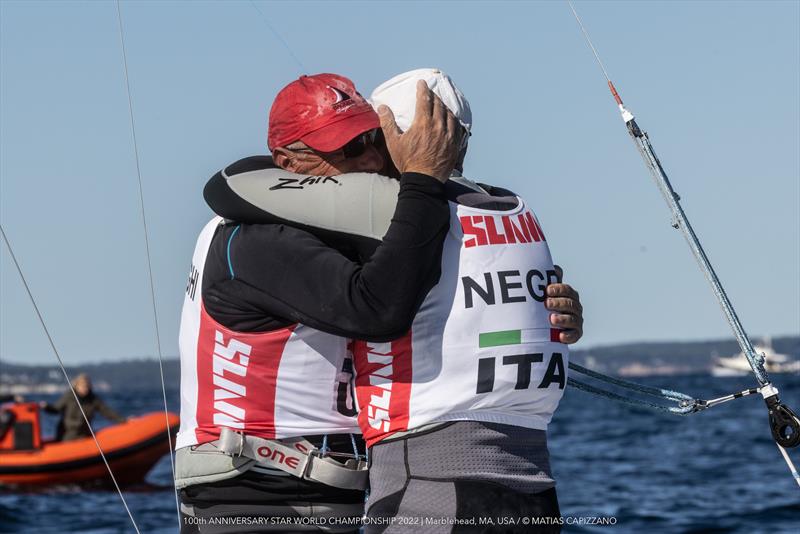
(482, 454)
(455, 412)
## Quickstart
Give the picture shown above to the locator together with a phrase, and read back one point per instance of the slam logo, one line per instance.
(481, 230)
(380, 355)
(229, 369)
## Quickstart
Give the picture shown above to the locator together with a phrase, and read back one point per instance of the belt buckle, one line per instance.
(231, 442)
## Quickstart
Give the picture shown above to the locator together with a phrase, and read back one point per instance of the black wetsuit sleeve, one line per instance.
(262, 276)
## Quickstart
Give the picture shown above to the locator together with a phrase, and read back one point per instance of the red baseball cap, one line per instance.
(323, 111)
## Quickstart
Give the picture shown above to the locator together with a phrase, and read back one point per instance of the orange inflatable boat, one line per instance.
(131, 448)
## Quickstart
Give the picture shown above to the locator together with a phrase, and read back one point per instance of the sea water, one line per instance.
(618, 468)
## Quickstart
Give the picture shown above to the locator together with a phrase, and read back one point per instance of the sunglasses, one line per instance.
(353, 149)
(358, 145)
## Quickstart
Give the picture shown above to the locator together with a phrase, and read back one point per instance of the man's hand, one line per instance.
(564, 301)
(431, 144)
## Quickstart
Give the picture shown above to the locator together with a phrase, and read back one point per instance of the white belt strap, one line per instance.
(298, 457)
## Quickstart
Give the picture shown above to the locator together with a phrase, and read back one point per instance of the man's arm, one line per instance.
(59, 405)
(107, 411)
(276, 270)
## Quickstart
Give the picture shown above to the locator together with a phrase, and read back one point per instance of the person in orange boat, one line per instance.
(72, 425)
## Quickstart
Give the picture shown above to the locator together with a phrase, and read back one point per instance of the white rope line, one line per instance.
(149, 260)
(66, 376)
(792, 468)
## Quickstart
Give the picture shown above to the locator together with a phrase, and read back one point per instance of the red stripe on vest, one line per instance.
(237, 375)
(383, 388)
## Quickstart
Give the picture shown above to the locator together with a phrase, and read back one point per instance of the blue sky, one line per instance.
(717, 85)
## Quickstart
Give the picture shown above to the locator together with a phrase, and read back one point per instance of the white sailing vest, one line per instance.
(283, 383)
(481, 347)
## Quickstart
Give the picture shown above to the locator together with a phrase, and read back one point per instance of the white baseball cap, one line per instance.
(400, 95)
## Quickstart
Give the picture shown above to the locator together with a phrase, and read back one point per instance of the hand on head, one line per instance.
(432, 144)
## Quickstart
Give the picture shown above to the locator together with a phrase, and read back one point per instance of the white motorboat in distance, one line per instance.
(738, 365)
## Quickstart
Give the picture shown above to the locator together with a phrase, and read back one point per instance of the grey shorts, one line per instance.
(485, 477)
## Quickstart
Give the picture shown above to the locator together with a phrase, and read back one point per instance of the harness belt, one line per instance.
(298, 457)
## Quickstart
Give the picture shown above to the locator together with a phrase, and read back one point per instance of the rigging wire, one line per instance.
(149, 258)
(784, 424)
(272, 29)
(586, 35)
(680, 221)
(686, 405)
(66, 376)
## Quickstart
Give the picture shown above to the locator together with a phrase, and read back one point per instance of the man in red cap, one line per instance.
(433, 404)
(266, 390)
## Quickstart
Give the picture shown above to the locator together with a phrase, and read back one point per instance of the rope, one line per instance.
(792, 468)
(628, 400)
(656, 392)
(686, 404)
(66, 376)
(149, 260)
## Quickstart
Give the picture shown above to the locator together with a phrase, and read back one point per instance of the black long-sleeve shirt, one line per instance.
(261, 277)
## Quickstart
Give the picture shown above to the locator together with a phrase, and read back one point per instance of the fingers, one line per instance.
(568, 337)
(562, 290)
(565, 302)
(440, 111)
(564, 305)
(445, 119)
(388, 124)
(427, 146)
(454, 128)
(424, 108)
(437, 110)
(571, 327)
(566, 321)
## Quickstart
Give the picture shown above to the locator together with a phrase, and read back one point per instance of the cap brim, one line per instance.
(334, 136)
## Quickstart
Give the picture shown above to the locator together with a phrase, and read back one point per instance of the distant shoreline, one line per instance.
(635, 359)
